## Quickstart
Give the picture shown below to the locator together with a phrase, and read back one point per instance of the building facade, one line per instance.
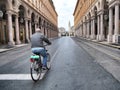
(62, 31)
(21, 18)
(98, 20)
(71, 30)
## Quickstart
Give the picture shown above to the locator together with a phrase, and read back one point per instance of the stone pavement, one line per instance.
(108, 58)
(108, 44)
(113, 45)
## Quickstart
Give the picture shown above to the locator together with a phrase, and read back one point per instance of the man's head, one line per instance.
(38, 30)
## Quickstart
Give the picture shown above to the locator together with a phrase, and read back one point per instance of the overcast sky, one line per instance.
(65, 9)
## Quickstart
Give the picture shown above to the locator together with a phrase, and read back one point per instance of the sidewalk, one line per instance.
(108, 58)
(4, 48)
(113, 45)
(108, 44)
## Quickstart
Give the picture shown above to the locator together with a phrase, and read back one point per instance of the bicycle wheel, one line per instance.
(35, 71)
(48, 61)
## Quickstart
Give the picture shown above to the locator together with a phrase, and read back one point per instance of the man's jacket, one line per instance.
(37, 40)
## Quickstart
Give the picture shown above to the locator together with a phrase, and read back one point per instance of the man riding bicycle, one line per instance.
(37, 45)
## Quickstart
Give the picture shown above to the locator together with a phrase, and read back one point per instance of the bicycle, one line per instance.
(36, 65)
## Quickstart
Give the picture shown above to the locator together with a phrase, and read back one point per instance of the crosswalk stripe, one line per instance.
(24, 76)
(17, 76)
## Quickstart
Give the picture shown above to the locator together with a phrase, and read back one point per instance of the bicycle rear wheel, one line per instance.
(48, 61)
(35, 71)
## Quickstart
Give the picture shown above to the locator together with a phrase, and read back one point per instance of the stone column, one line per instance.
(88, 30)
(98, 28)
(91, 28)
(102, 37)
(93, 36)
(79, 32)
(30, 27)
(84, 29)
(109, 38)
(17, 30)
(116, 32)
(26, 27)
(10, 29)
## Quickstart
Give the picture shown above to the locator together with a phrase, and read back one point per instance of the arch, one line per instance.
(3, 31)
(89, 21)
(99, 5)
(95, 10)
(40, 22)
(89, 15)
(3, 9)
(85, 18)
(95, 14)
(21, 11)
(44, 22)
(33, 22)
(22, 23)
(14, 3)
(23, 8)
(82, 27)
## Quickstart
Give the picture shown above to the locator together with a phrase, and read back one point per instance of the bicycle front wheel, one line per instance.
(35, 71)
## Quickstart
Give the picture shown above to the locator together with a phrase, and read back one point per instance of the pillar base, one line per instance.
(18, 42)
(87, 36)
(109, 38)
(101, 37)
(93, 37)
(97, 38)
(84, 36)
(11, 43)
(116, 38)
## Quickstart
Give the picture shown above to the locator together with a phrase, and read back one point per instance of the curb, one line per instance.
(114, 71)
(15, 47)
(113, 46)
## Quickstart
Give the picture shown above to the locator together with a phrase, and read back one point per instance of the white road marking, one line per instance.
(55, 54)
(23, 76)
(18, 76)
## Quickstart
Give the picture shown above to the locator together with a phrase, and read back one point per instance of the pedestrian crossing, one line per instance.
(18, 76)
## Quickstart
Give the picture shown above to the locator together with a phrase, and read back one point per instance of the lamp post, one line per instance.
(1, 15)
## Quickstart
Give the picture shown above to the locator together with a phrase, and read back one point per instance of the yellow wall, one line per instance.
(81, 8)
(45, 8)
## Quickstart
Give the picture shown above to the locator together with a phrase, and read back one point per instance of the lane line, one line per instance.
(55, 54)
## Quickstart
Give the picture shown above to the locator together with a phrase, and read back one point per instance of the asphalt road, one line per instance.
(72, 69)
